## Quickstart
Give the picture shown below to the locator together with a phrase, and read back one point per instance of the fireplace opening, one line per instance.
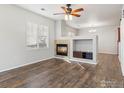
(62, 49)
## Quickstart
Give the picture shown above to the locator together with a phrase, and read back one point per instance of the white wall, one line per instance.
(13, 51)
(63, 30)
(121, 53)
(83, 45)
(107, 38)
(58, 29)
(67, 30)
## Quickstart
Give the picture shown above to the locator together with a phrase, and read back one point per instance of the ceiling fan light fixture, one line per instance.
(69, 12)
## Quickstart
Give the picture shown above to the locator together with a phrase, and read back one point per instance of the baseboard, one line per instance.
(122, 70)
(26, 64)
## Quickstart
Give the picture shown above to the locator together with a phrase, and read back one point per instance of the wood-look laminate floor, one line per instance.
(58, 73)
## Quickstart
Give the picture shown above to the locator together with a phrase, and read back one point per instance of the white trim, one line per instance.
(122, 70)
(26, 64)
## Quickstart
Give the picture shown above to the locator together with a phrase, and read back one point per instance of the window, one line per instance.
(37, 35)
(43, 36)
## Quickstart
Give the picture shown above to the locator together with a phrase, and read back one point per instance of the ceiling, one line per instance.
(94, 15)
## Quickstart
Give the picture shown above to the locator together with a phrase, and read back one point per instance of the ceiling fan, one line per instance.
(69, 12)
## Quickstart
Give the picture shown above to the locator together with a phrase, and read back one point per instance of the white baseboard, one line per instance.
(26, 64)
(121, 65)
(122, 69)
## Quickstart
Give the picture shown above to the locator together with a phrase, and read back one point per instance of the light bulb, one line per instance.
(70, 17)
(66, 17)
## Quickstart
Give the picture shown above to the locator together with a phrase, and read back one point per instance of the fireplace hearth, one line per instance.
(62, 49)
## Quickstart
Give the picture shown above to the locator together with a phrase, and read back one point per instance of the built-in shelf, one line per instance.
(83, 49)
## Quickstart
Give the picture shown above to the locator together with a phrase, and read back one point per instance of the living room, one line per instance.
(44, 45)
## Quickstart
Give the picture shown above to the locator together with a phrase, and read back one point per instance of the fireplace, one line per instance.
(62, 49)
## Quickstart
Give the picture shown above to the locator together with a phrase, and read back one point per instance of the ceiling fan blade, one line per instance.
(77, 10)
(64, 8)
(77, 15)
(58, 13)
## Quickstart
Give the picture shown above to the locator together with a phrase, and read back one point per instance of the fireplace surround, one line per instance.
(62, 49)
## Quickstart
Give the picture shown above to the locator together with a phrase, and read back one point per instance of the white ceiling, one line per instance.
(95, 15)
